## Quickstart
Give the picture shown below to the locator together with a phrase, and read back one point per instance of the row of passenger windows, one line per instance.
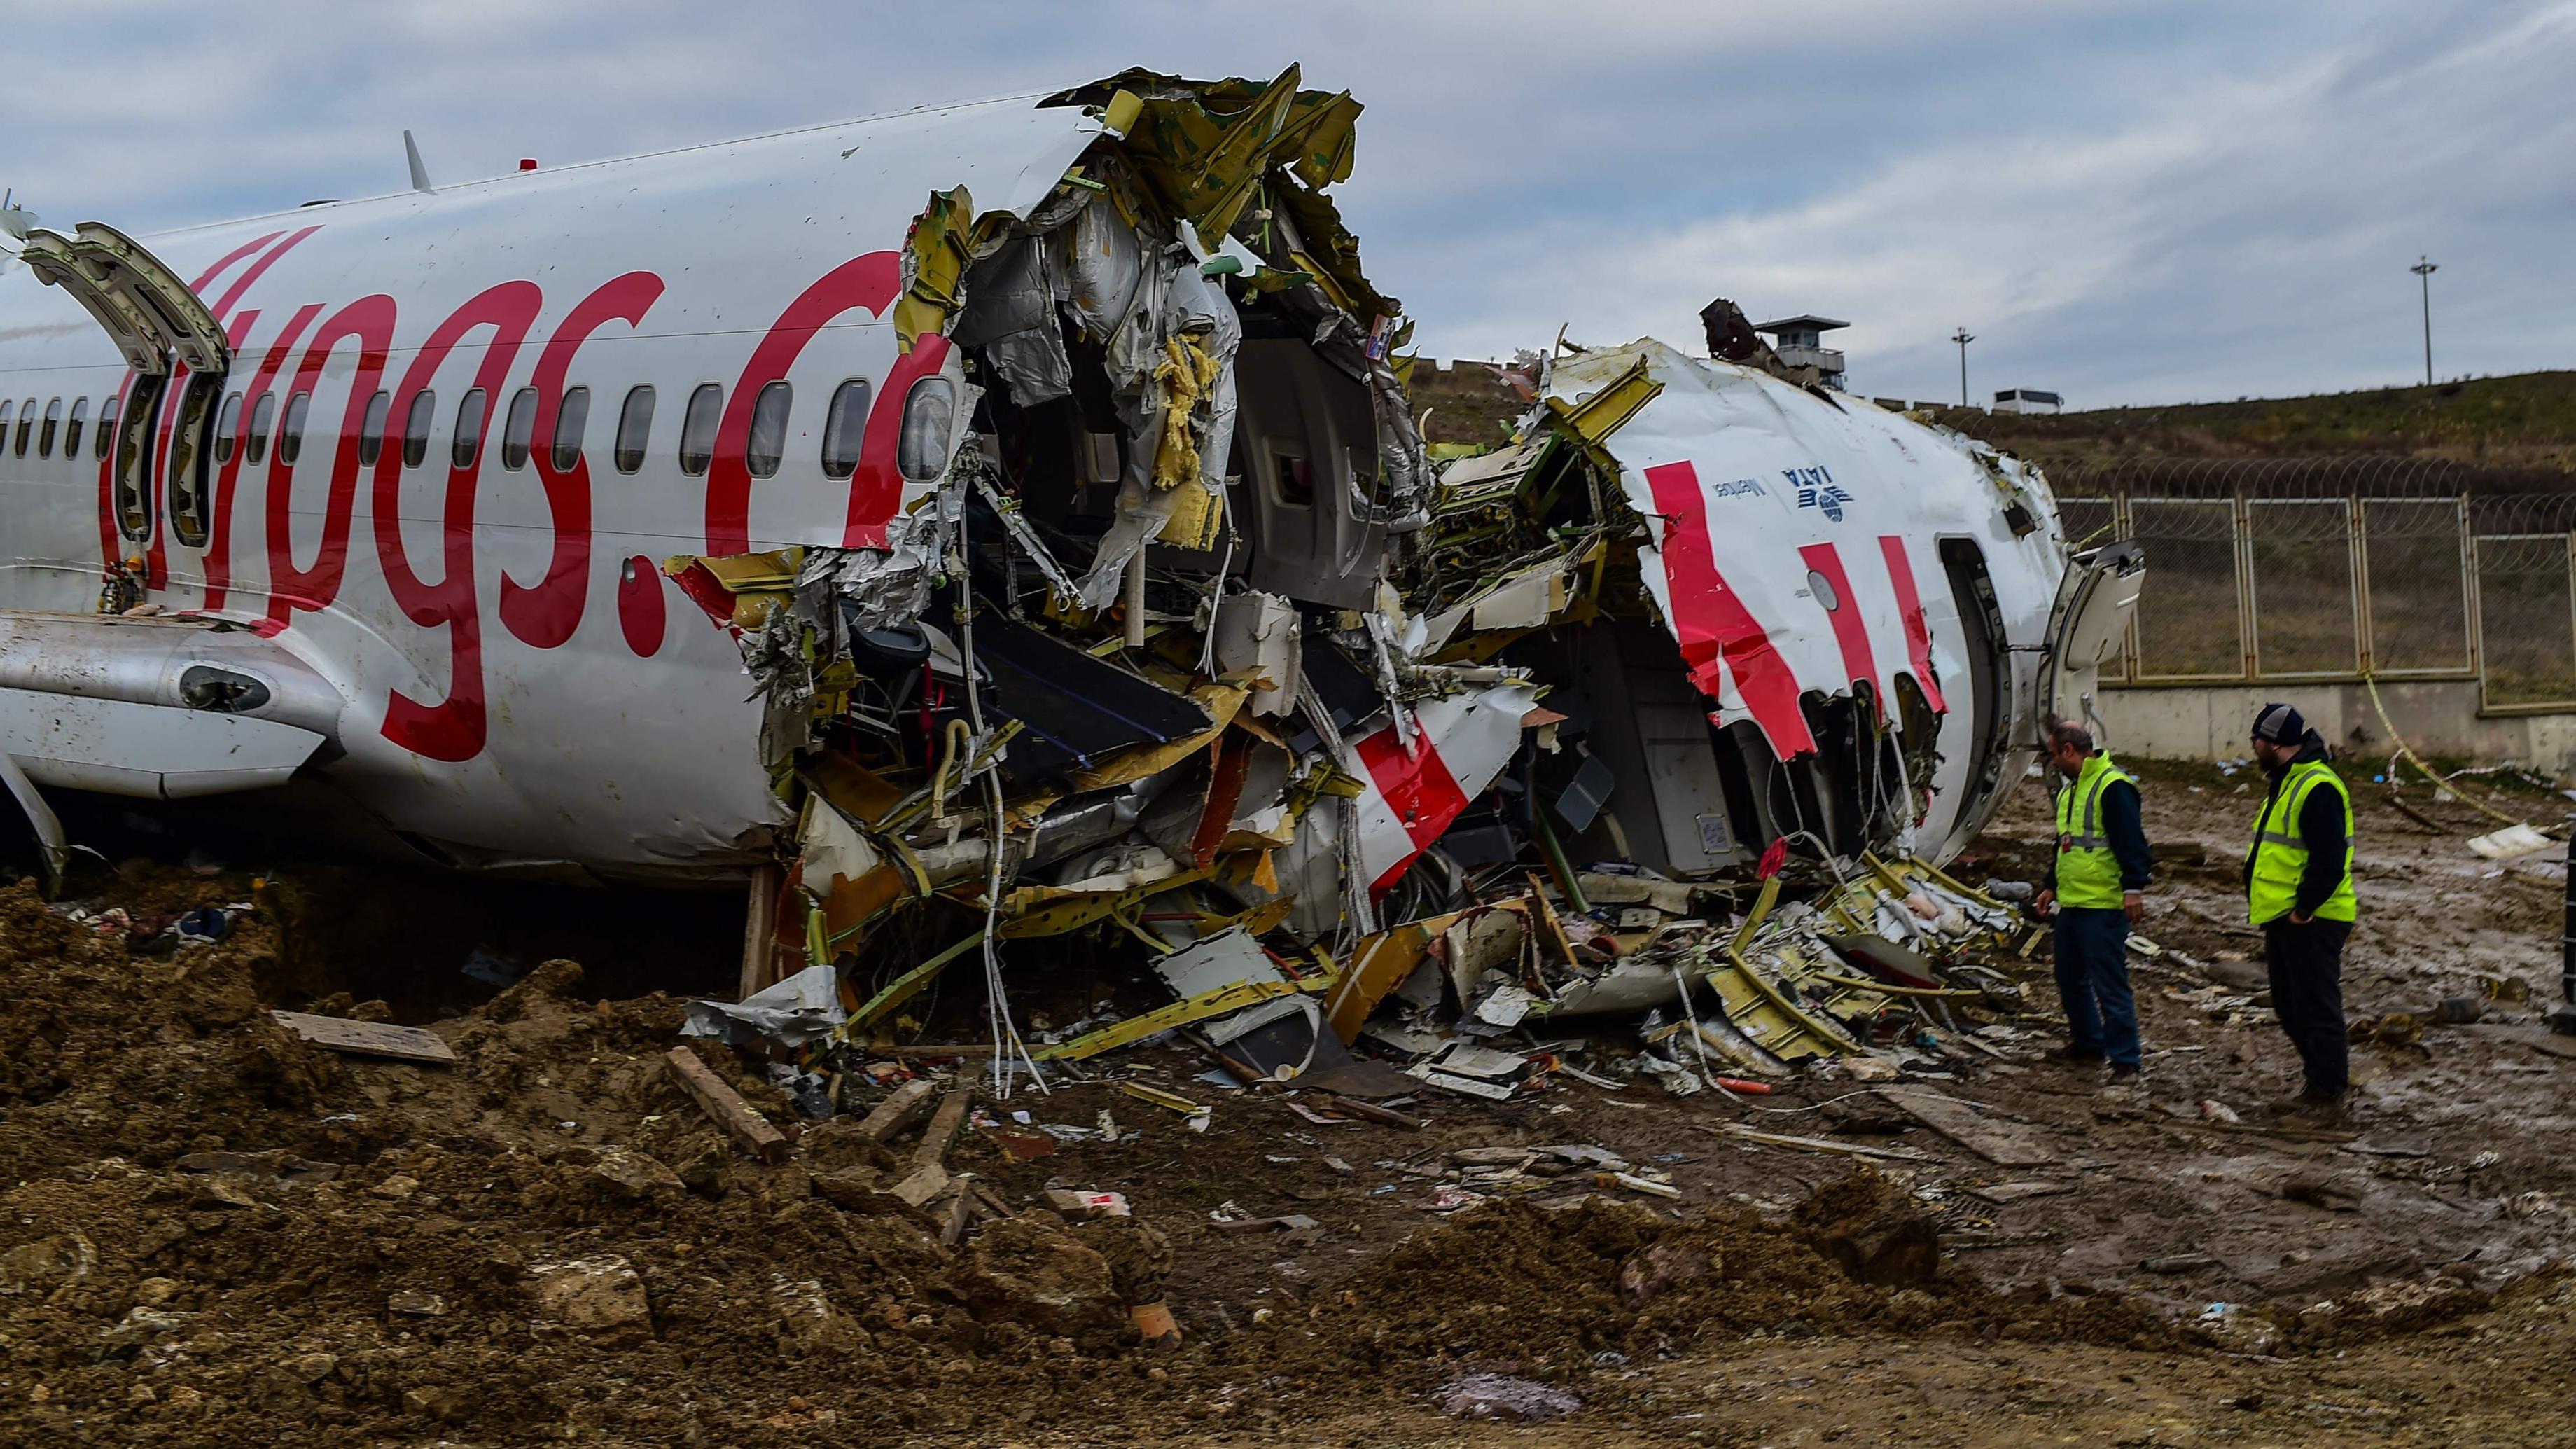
(41, 436)
(921, 454)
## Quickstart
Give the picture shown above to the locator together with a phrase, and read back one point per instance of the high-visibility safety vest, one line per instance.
(2088, 875)
(2281, 856)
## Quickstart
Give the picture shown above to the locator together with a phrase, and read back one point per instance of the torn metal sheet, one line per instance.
(797, 1012)
(1226, 959)
(1168, 642)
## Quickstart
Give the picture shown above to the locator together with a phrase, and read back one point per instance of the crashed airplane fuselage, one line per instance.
(1046, 466)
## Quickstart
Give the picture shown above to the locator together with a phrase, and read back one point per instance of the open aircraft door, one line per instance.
(2086, 627)
(150, 314)
(160, 324)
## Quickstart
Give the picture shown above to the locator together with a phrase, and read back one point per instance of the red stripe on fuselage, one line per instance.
(1711, 622)
(369, 322)
(876, 488)
(865, 283)
(1851, 634)
(453, 728)
(1909, 602)
(108, 536)
(219, 547)
(546, 613)
(1418, 788)
(156, 570)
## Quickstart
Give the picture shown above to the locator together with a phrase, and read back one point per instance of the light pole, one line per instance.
(1963, 337)
(2424, 271)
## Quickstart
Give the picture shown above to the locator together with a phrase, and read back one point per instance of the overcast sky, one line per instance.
(2128, 202)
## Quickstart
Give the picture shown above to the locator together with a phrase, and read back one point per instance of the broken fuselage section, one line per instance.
(1126, 638)
(1773, 615)
(1177, 635)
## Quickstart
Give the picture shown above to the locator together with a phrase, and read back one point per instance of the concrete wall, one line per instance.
(2439, 718)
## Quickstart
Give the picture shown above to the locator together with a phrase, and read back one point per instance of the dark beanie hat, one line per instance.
(2280, 724)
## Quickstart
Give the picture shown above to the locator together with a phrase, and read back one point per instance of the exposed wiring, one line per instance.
(997, 1004)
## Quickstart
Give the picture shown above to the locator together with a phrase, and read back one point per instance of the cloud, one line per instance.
(2130, 201)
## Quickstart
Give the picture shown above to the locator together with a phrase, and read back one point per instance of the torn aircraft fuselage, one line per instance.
(1047, 467)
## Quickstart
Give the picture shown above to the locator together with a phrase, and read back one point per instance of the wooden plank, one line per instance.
(953, 1231)
(2004, 1192)
(942, 1130)
(924, 1184)
(1366, 1111)
(909, 1104)
(2001, 1143)
(368, 1038)
(746, 1127)
(760, 928)
(1819, 1144)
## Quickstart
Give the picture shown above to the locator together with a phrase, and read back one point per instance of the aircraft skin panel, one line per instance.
(1771, 563)
(519, 675)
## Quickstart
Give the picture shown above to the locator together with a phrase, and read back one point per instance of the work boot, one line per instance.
(2310, 1109)
(2073, 1056)
(2123, 1073)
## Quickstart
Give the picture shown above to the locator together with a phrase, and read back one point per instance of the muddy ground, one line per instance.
(211, 1231)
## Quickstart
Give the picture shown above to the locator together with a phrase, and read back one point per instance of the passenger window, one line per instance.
(290, 434)
(634, 428)
(698, 429)
(72, 428)
(26, 425)
(424, 404)
(571, 421)
(921, 454)
(8, 410)
(188, 472)
(227, 426)
(103, 438)
(1290, 482)
(133, 458)
(371, 428)
(519, 430)
(254, 448)
(768, 440)
(845, 428)
(53, 425)
(468, 442)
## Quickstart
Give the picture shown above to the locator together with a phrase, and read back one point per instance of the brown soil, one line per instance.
(211, 1231)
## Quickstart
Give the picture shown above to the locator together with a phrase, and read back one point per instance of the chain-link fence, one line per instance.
(2332, 568)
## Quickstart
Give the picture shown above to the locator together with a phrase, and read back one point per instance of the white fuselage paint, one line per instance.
(628, 758)
(629, 746)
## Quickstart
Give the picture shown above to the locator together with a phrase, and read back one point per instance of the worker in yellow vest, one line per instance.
(2298, 888)
(2097, 887)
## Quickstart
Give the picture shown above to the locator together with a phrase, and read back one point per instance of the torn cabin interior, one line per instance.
(1179, 648)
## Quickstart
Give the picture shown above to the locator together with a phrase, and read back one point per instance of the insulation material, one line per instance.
(1010, 313)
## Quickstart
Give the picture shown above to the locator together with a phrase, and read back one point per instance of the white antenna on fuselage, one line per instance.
(419, 173)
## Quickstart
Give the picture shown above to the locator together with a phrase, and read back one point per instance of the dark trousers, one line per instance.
(2307, 995)
(2093, 982)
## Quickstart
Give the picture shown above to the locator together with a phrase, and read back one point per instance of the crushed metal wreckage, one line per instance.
(1181, 648)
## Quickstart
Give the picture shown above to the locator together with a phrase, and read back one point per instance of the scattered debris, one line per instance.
(747, 1128)
(1494, 1396)
(2001, 1143)
(368, 1038)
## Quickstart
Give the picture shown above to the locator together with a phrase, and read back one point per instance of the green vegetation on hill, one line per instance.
(2523, 422)
(1472, 402)
(2526, 421)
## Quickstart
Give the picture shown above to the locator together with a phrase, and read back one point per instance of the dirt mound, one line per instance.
(215, 1229)
(1550, 1292)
